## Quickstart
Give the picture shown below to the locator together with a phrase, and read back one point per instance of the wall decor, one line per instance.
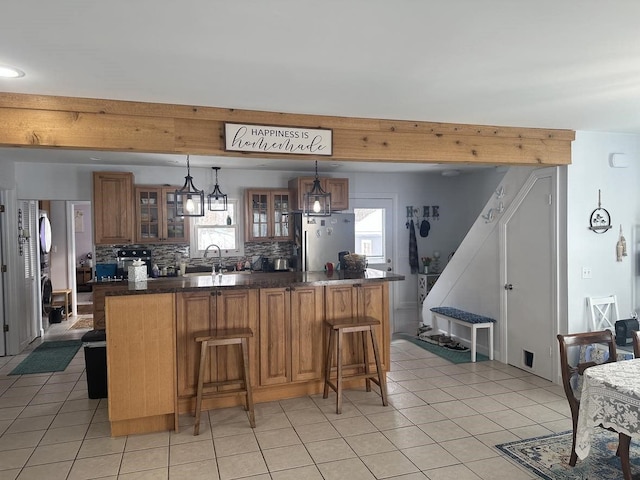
(621, 246)
(600, 220)
(272, 139)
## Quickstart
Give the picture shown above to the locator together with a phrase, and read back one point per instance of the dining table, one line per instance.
(610, 398)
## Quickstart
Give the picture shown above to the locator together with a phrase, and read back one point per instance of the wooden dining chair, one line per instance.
(635, 336)
(574, 346)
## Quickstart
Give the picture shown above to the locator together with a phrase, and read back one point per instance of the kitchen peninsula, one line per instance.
(152, 356)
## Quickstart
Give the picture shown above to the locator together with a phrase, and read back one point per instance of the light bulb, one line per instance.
(316, 206)
(189, 206)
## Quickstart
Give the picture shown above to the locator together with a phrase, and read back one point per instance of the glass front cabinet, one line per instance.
(156, 221)
(267, 215)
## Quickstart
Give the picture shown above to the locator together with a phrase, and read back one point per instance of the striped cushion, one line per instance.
(462, 315)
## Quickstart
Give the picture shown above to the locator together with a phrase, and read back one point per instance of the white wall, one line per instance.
(59, 246)
(590, 171)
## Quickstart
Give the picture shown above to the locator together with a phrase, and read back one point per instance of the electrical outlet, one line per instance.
(586, 272)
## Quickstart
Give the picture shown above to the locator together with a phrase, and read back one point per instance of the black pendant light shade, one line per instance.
(216, 199)
(317, 202)
(189, 201)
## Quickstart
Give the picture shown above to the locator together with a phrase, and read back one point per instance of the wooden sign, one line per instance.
(269, 139)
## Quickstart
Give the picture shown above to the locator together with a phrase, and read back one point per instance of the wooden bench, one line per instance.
(471, 320)
(62, 298)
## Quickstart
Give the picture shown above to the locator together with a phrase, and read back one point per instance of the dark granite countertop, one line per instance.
(245, 280)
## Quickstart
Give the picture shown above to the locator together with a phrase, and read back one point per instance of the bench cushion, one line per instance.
(462, 315)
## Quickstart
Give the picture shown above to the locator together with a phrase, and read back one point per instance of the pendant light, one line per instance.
(189, 200)
(317, 202)
(216, 199)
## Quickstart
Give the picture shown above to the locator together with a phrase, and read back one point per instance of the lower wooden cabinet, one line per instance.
(201, 313)
(141, 363)
(344, 301)
(291, 345)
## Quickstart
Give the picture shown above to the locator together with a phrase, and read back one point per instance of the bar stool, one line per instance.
(337, 328)
(231, 336)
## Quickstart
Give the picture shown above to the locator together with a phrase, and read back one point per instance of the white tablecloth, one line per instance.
(610, 397)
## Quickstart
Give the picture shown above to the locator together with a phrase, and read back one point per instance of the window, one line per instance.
(218, 228)
(370, 233)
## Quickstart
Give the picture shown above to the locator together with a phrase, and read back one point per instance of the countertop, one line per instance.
(245, 280)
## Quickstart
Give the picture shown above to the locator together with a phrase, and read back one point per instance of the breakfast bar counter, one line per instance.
(152, 356)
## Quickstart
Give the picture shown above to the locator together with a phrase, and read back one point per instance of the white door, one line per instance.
(529, 321)
(3, 320)
(374, 237)
(31, 326)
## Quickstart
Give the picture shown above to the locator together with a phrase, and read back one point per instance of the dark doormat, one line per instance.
(48, 357)
(455, 356)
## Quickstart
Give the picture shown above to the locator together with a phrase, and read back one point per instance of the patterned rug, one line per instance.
(548, 457)
(82, 322)
(451, 355)
(48, 357)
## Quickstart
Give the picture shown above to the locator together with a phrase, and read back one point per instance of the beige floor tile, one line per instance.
(462, 392)
(402, 375)
(86, 468)
(415, 385)
(370, 443)
(497, 468)
(443, 430)
(411, 476)
(191, 452)
(539, 413)
(244, 465)
(145, 460)
(235, 444)
(95, 447)
(80, 405)
(96, 430)
(477, 424)
(55, 453)
(154, 474)
(393, 387)
(514, 399)
(454, 409)
(267, 408)
(51, 471)
(509, 419)
(389, 464)
(389, 420)
(278, 438)
(353, 426)
(453, 472)
(405, 400)
(26, 391)
(63, 377)
(283, 458)
(445, 381)
(329, 450)
(484, 404)
(31, 424)
(224, 430)
(352, 469)
(407, 437)
(468, 449)
(429, 456)
(317, 432)
(149, 440)
(306, 416)
(204, 470)
(424, 414)
(10, 459)
(531, 431)
(40, 410)
(300, 403)
(310, 472)
(271, 422)
(496, 438)
(72, 418)
(10, 413)
(20, 440)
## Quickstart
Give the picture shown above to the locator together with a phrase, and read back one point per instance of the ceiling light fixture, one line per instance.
(10, 72)
(189, 201)
(317, 202)
(217, 199)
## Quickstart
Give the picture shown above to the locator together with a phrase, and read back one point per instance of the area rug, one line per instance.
(83, 322)
(453, 356)
(48, 357)
(548, 456)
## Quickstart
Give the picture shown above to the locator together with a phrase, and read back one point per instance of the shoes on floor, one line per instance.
(457, 347)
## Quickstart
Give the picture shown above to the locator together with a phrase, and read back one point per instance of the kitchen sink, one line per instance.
(204, 274)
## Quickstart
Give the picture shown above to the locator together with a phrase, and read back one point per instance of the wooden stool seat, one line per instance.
(66, 292)
(337, 328)
(231, 336)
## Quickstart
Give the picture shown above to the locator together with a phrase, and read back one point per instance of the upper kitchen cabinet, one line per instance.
(156, 221)
(267, 215)
(338, 187)
(113, 207)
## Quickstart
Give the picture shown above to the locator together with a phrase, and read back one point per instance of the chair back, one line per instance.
(604, 312)
(635, 336)
(578, 352)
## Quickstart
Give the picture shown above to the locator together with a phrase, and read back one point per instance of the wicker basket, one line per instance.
(355, 263)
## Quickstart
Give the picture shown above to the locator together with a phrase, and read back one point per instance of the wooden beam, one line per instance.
(98, 124)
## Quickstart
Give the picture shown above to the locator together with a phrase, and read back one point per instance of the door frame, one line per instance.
(393, 198)
(551, 172)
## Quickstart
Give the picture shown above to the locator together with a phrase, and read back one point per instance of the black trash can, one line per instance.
(95, 357)
(55, 316)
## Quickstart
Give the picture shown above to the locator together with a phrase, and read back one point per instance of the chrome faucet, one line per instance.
(213, 267)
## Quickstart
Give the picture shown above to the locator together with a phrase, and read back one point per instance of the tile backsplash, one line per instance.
(165, 255)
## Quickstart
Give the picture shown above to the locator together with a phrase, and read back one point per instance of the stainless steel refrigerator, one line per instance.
(318, 240)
